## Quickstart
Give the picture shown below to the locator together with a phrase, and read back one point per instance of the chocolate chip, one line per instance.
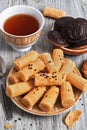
(68, 89)
(53, 76)
(29, 67)
(30, 64)
(53, 72)
(49, 61)
(35, 69)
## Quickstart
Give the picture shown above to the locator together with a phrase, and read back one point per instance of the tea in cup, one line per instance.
(21, 26)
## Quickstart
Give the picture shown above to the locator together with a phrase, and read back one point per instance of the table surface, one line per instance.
(21, 119)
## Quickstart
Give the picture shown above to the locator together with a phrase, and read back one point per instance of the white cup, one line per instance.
(21, 43)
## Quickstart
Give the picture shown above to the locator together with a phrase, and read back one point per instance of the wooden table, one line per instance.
(23, 120)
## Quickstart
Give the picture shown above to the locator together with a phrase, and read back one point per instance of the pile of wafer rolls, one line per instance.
(42, 78)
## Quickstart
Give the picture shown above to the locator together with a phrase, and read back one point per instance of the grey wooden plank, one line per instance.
(76, 8)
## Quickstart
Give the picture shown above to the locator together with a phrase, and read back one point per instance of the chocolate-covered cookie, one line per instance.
(84, 24)
(79, 44)
(59, 23)
(74, 31)
(82, 20)
(69, 32)
(56, 37)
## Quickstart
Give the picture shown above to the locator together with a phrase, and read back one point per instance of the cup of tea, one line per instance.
(21, 26)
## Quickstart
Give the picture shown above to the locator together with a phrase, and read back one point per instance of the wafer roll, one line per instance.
(77, 81)
(33, 96)
(67, 67)
(25, 60)
(49, 99)
(54, 13)
(72, 117)
(31, 70)
(67, 95)
(50, 65)
(17, 89)
(58, 56)
(49, 79)
(14, 78)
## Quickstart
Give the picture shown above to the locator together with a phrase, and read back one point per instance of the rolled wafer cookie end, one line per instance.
(26, 103)
(53, 13)
(67, 95)
(85, 87)
(72, 117)
(48, 101)
(68, 103)
(8, 92)
(14, 78)
(22, 77)
(44, 107)
(77, 81)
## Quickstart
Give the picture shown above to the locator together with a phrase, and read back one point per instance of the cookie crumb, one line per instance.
(8, 126)
(80, 99)
(84, 69)
(82, 104)
(15, 120)
(72, 117)
(19, 119)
